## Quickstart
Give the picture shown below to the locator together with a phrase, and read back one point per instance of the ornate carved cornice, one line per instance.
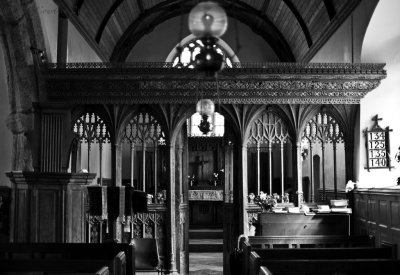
(269, 83)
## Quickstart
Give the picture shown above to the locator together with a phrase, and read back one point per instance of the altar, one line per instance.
(293, 224)
(206, 184)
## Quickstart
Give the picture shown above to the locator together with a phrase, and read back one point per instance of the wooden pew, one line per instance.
(327, 253)
(331, 267)
(72, 251)
(98, 267)
(264, 271)
(311, 241)
(267, 242)
(350, 253)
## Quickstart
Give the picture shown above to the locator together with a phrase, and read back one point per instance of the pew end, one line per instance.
(264, 271)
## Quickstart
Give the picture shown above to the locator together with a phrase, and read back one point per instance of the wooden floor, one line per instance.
(201, 264)
(205, 264)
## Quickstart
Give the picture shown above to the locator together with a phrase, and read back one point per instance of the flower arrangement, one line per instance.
(160, 197)
(192, 180)
(149, 198)
(267, 201)
(217, 178)
(350, 186)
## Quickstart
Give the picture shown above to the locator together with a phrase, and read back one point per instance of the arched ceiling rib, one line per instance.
(295, 29)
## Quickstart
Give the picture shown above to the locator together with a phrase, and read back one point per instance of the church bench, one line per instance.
(327, 253)
(329, 267)
(18, 266)
(294, 242)
(264, 271)
(311, 241)
(71, 251)
(284, 254)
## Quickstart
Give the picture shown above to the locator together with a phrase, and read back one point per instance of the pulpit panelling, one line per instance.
(48, 207)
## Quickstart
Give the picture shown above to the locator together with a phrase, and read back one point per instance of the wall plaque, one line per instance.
(378, 146)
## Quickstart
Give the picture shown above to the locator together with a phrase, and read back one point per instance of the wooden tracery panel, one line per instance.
(144, 135)
(266, 132)
(322, 129)
(91, 129)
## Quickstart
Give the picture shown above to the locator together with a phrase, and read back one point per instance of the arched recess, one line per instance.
(91, 148)
(143, 142)
(142, 139)
(179, 176)
(323, 139)
(270, 155)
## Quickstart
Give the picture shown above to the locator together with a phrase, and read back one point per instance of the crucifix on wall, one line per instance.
(198, 167)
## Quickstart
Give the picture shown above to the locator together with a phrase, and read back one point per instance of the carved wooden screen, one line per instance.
(269, 148)
(92, 132)
(323, 137)
(146, 141)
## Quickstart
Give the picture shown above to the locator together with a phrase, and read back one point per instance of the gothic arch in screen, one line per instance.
(323, 141)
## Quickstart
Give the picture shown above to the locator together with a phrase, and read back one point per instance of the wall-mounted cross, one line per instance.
(199, 166)
(376, 119)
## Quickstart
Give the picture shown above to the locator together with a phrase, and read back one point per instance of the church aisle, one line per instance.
(206, 264)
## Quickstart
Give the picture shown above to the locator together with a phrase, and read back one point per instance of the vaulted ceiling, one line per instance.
(295, 29)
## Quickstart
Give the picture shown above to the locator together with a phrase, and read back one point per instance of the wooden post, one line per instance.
(132, 162)
(323, 170)
(282, 171)
(231, 168)
(101, 162)
(88, 156)
(299, 159)
(244, 192)
(226, 175)
(155, 169)
(171, 212)
(258, 168)
(270, 166)
(311, 174)
(334, 169)
(144, 167)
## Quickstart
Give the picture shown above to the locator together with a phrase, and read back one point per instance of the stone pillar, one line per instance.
(48, 207)
(21, 124)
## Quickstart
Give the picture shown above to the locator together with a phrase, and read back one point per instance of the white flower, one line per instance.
(350, 186)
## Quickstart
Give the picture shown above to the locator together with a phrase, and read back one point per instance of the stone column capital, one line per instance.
(20, 122)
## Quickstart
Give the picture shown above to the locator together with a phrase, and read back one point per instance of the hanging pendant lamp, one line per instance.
(208, 21)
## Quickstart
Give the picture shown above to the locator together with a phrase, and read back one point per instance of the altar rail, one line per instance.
(377, 212)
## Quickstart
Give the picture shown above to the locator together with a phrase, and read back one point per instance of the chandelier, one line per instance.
(208, 21)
